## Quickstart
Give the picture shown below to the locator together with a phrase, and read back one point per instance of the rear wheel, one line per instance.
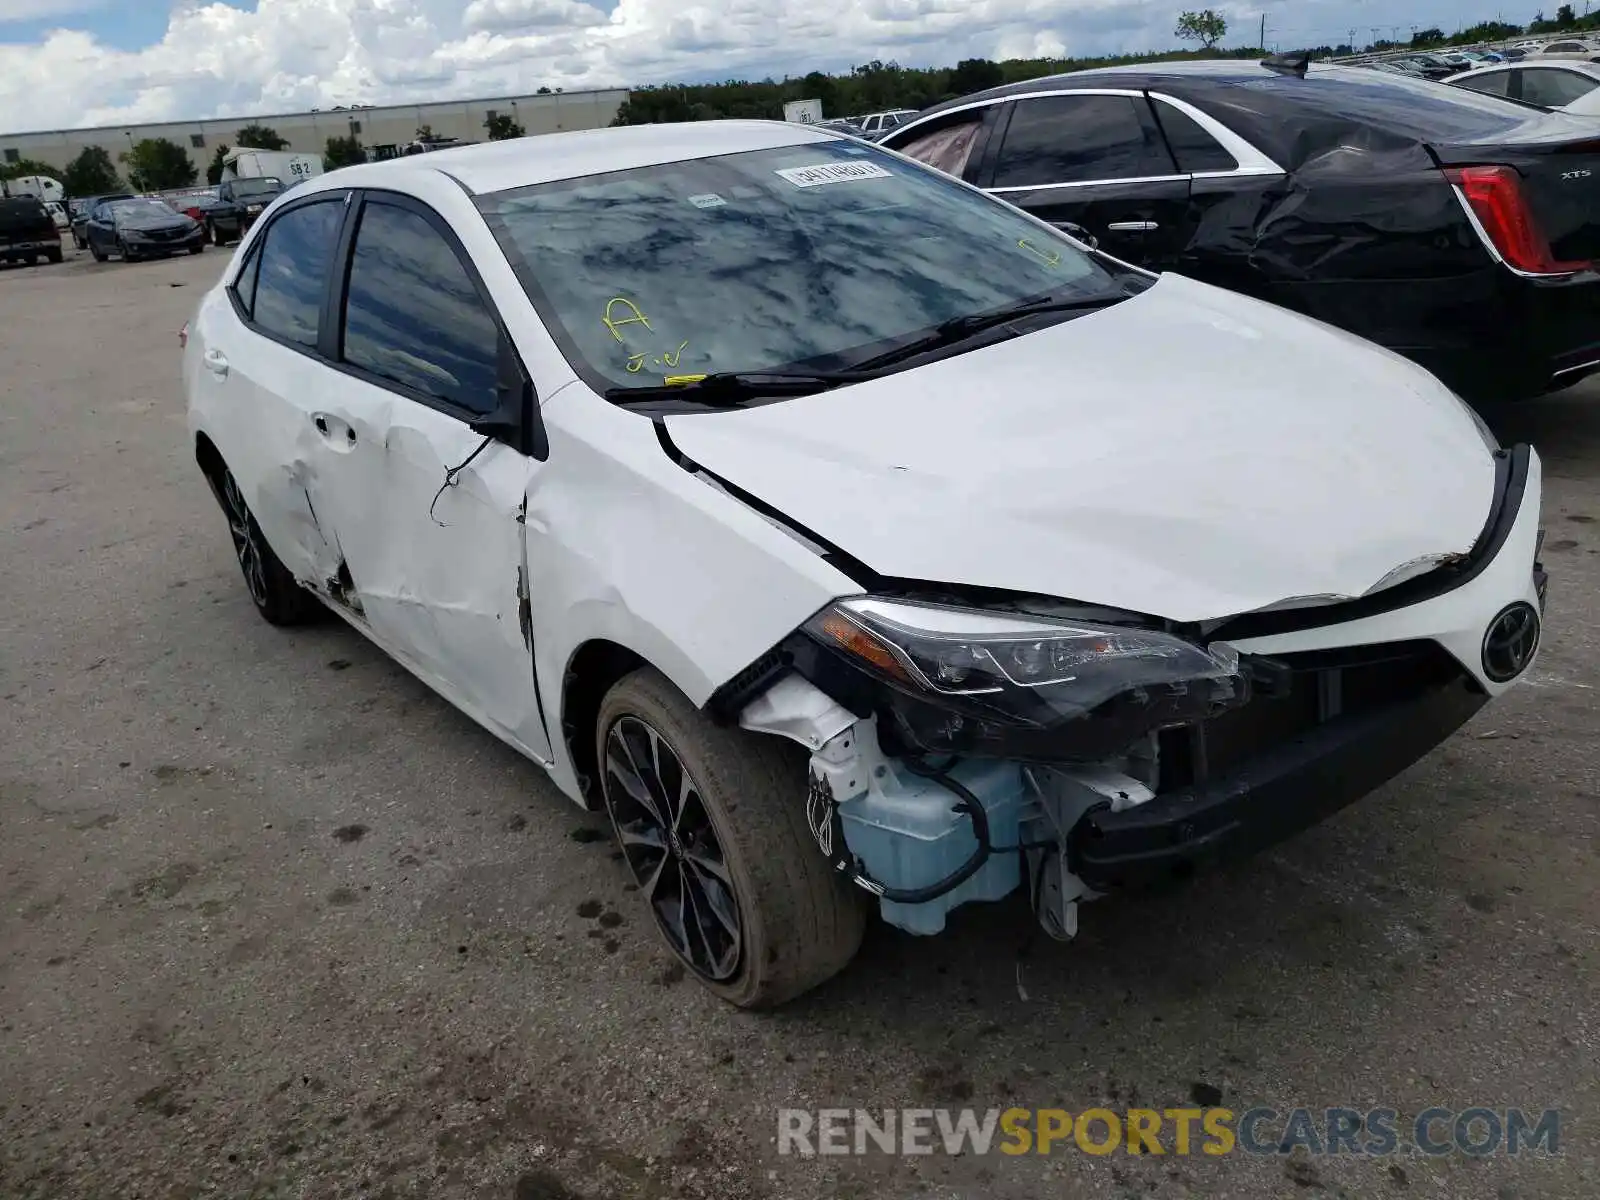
(53, 255)
(277, 596)
(712, 823)
(31, 259)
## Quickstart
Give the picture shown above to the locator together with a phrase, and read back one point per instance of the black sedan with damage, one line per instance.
(1457, 229)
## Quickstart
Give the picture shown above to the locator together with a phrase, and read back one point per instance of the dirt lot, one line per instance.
(276, 921)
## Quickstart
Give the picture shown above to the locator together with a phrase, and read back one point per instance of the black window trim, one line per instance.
(1147, 122)
(330, 342)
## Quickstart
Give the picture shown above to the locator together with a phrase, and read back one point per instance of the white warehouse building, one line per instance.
(380, 129)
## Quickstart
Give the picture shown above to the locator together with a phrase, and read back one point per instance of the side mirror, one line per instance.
(516, 420)
(1080, 233)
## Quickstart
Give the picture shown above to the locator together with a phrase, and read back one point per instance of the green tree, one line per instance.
(1206, 27)
(424, 133)
(975, 75)
(503, 128)
(544, 91)
(214, 169)
(261, 137)
(343, 152)
(1427, 37)
(1565, 17)
(92, 173)
(156, 164)
(28, 166)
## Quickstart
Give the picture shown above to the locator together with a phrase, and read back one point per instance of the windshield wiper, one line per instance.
(958, 329)
(729, 389)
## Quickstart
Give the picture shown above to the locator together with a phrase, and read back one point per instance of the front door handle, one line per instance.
(1133, 227)
(217, 363)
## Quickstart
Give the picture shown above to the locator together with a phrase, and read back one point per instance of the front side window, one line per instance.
(1555, 89)
(293, 271)
(1076, 139)
(803, 257)
(414, 316)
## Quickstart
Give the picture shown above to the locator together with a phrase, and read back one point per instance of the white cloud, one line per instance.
(512, 15)
(216, 59)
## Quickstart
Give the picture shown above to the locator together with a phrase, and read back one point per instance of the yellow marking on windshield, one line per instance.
(671, 357)
(679, 380)
(1050, 259)
(638, 317)
(635, 363)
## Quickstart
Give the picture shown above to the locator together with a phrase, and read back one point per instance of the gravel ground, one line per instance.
(276, 921)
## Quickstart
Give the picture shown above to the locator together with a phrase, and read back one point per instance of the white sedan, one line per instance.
(852, 538)
(1572, 85)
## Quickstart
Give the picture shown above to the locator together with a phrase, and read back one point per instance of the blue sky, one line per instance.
(65, 63)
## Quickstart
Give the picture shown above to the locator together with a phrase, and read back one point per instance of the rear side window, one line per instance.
(1490, 83)
(948, 149)
(293, 271)
(413, 315)
(1077, 139)
(1194, 148)
(1553, 89)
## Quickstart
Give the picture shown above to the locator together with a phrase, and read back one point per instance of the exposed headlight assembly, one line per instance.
(974, 680)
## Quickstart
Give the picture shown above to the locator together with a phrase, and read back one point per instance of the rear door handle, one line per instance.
(217, 363)
(1133, 227)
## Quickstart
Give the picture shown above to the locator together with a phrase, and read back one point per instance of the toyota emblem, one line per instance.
(1510, 642)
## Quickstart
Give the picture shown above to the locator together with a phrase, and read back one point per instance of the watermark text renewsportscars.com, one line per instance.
(1475, 1131)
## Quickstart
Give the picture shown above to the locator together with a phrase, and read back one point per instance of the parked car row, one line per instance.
(864, 530)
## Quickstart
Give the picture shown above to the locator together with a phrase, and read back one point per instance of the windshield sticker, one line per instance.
(834, 172)
(707, 200)
(1050, 258)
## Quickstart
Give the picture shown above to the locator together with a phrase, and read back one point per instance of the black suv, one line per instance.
(239, 203)
(27, 232)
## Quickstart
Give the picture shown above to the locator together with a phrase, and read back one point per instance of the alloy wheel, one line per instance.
(672, 848)
(245, 545)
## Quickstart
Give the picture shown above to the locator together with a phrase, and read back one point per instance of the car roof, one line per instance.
(519, 162)
(1581, 65)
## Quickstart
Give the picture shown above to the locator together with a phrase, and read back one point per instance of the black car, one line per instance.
(1457, 229)
(141, 228)
(239, 203)
(27, 232)
(79, 210)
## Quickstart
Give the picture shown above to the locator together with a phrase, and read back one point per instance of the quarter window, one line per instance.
(413, 315)
(1192, 146)
(293, 271)
(1554, 89)
(1076, 139)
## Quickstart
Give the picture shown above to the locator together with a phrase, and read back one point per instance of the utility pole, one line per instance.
(1263, 31)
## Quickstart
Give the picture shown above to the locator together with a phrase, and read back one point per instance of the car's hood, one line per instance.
(1188, 453)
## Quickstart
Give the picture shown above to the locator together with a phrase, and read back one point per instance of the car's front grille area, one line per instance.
(164, 235)
(1321, 685)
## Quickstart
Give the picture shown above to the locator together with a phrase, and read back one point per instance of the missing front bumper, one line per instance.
(1275, 794)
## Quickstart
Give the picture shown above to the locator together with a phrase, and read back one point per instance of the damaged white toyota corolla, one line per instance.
(847, 534)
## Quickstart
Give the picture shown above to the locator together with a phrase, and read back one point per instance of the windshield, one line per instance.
(141, 208)
(811, 256)
(253, 188)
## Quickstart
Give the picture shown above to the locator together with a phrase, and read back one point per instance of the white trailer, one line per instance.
(243, 162)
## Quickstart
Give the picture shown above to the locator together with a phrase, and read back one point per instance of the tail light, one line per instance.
(1496, 198)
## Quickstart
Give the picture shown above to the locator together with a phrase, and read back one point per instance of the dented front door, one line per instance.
(435, 569)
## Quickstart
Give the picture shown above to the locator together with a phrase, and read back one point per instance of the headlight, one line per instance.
(1018, 684)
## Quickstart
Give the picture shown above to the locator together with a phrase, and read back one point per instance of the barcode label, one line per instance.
(835, 172)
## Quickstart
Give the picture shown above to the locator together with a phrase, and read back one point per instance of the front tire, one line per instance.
(712, 823)
(98, 254)
(278, 598)
(53, 255)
